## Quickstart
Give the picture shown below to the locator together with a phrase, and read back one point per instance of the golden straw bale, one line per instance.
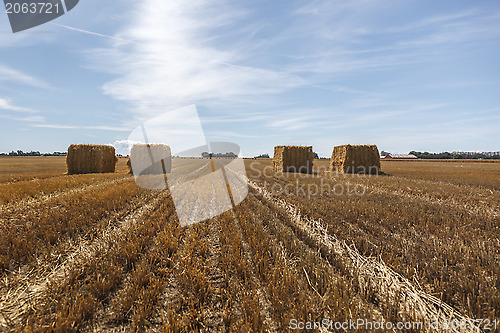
(91, 159)
(293, 159)
(150, 159)
(355, 159)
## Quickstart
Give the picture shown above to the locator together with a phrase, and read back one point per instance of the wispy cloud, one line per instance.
(91, 33)
(101, 128)
(6, 104)
(360, 41)
(12, 75)
(237, 118)
(293, 123)
(229, 135)
(29, 119)
(178, 58)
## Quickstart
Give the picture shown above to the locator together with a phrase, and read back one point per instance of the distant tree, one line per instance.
(34, 153)
(56, 153)
(384, 153)
(227, 154)
(316, 156)
(262, 156)
(456, 155)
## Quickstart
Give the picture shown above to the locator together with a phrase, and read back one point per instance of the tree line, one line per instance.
(216, 155)
(32, 153)
(457, 155)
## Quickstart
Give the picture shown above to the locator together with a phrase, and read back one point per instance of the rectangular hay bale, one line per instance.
(150, 159)
(293, 159)
(363, 159)
(91, 159)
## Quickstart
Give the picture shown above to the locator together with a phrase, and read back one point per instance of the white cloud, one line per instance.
(6, 104)
(30, 119)
(177, 58)
(98, 127)
(292, 124)
(124, 144)
(366, 38)
(12, 75)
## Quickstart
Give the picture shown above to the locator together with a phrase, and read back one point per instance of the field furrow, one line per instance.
(71, 302)
(133, 304)
(268, 313)
(27, 290)
(432, 246)
(28, 234)
(35, 192)
(93, 253)
(388, 285)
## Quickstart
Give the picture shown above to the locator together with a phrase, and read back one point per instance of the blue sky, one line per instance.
(405, 75)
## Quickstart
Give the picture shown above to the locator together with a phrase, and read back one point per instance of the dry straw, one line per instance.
(355, 159)
(293, 159)
(150, 159)
(390, 288)
(91, 159)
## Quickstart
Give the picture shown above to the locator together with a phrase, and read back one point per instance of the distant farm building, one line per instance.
(401, 157)
(293, 159)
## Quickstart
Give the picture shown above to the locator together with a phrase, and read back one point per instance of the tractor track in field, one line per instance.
(428, 199)
(286, 228)
(267, 310)
(27, 288)
(485, 207)
(104, 319)
(171, 296)
(33, 203)
(471, 208)
(371, 272)
(216, 314)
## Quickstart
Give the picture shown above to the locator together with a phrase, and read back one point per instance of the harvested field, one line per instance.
(13, 169)
(96, 253)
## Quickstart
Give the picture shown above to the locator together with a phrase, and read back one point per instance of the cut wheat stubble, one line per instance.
(31, 293)
(372, 272)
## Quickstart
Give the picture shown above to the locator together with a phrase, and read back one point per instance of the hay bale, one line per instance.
(293, 159)
(150, 159)
(355, 159)
(91, 159)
